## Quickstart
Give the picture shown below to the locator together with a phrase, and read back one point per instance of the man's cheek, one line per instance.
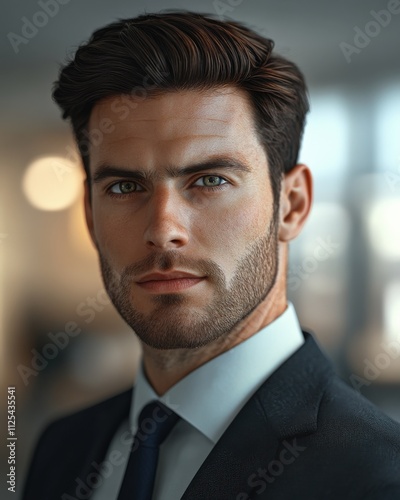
(243, 226)
(116, 244)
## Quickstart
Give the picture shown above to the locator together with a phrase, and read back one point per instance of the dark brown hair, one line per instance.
(181, 50)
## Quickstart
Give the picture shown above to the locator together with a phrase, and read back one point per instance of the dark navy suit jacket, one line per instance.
(303, 435)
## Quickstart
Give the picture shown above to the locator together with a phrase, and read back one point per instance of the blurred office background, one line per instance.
(344, 273)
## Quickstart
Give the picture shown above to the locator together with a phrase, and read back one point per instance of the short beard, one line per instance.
(173, 323)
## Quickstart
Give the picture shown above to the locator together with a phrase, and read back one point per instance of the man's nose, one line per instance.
(167, 217)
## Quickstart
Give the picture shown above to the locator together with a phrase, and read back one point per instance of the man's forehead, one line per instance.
(216, 108)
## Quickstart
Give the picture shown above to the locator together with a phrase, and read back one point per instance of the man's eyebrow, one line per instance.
(104, 171)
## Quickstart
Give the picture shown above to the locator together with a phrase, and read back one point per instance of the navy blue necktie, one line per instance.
(154, 424)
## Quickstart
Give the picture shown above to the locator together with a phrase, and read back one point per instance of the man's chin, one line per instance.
(164, 344)
(167, 337)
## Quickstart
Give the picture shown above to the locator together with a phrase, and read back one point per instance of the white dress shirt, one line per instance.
(207, 400)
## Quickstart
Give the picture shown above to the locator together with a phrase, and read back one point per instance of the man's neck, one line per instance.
(164, 368)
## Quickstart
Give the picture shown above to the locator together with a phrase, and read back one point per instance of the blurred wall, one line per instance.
(344, 271)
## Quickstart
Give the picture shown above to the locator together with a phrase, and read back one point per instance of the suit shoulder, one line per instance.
(351, 417)
(77, 431)
(70, 424)
(345, 401)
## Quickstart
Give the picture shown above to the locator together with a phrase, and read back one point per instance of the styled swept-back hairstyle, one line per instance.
(170, 51)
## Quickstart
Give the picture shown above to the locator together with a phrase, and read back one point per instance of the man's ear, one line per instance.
(89, 211)
(295, 201)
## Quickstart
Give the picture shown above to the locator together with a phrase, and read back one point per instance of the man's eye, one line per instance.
(124, 187)
(210, 181)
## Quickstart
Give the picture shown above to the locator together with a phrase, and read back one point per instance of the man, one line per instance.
(189, 130)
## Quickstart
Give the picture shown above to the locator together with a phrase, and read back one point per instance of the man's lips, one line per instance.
(167, 276)
(169, 282)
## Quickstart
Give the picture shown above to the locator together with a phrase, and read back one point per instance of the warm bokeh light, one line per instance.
(383, 224)
(52, 183)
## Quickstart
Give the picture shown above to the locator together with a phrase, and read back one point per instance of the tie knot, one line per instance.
(154, 424)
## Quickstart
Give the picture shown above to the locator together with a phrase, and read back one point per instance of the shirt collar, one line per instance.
(211, 396)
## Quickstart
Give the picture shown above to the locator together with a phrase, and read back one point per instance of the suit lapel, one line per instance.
(237, 454)
(283, 408)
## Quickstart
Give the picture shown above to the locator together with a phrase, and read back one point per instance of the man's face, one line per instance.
(181, 185)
